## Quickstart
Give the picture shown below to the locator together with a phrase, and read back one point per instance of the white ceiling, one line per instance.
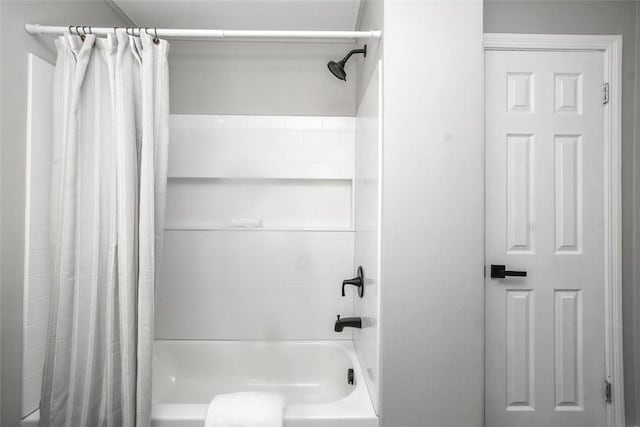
(321, 15)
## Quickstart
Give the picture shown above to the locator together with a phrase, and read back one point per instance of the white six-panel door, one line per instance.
(545, 333)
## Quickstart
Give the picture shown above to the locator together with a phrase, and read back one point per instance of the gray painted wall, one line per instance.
(15, 44)
(598, 17)
(432, 370)
(260, 78)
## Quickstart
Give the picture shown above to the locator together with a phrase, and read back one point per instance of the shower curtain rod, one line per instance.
(205, 34)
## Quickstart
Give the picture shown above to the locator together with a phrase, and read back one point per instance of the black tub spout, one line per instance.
(347, 322)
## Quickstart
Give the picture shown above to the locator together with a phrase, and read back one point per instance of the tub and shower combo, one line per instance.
(267, 218)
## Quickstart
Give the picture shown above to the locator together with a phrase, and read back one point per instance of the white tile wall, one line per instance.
(36, 291)
(252, 284)
(281, 171)
(367, 231)
(261, 147)
(291, 176)
(290, 203)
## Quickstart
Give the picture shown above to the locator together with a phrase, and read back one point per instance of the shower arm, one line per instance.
(353, 52)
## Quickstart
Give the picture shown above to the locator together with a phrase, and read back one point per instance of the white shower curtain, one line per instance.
(108, 186)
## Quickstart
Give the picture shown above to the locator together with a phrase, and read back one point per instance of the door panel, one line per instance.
(544, 213)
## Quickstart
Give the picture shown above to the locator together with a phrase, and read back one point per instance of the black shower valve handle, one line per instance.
(357, 281)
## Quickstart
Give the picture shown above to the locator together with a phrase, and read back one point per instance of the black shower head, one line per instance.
(337, 68)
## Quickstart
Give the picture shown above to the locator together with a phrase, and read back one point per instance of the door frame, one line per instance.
(611, 46)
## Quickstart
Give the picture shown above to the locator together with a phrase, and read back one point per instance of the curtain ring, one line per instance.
(155, 37)
(70, 32)
(78, 32)
(90, 30)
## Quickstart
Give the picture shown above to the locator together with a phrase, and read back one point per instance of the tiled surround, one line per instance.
(259, 228)
(36, 291)
(285, 172)
(288, 203)
(252, 284)
(261, 147)
(367, 231)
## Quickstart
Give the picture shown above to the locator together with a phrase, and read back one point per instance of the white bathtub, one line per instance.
(311, 375)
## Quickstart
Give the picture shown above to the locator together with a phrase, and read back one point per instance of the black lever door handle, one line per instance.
(500, 272)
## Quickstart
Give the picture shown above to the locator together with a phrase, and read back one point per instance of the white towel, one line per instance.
(246, 409)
